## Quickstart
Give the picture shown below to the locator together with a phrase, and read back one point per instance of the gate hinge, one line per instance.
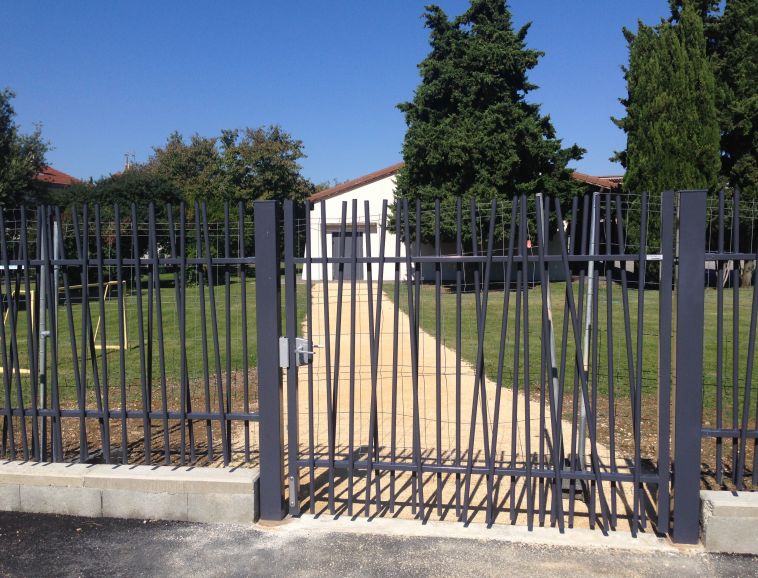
(303, 349)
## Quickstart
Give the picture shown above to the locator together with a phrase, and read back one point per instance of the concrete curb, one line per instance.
(217, 495)
(574, 538)
(729, 521)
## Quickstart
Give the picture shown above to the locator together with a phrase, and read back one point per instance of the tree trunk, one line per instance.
(746, 274)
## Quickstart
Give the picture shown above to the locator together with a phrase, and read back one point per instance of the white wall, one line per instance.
(375, 193)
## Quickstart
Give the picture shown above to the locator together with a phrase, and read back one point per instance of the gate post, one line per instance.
(688, 410)
(268, 305)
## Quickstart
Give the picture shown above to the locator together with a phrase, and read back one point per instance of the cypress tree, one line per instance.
(471, 132)
(671, 123)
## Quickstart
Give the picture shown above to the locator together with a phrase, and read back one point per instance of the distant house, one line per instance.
(53, 179)
(375, 188)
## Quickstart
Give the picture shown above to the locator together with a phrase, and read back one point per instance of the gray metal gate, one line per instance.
(471, 399)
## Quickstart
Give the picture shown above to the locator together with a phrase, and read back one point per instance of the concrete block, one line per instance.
(10, 498)
(43, 474)
(144, 505)
(730, 521)
(221, 508)
(70, 501)
(136, 479)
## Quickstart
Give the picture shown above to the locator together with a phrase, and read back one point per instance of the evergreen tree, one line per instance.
(671, 124)
(736, 64)
(471, 132)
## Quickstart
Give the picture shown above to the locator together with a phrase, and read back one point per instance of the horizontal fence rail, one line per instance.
(128, 334)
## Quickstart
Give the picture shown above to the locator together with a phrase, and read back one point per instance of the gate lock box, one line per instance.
(303, 349)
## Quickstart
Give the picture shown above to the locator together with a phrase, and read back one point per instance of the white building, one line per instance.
(376, 188)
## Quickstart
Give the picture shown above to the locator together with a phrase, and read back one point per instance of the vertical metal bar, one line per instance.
(146, 427)
(689, 367)
(309, 323)
(155, 278)
(42, 334)
(228, 323)
(438, 349)
(720, 344)
(610, 353)
(735, 333)
(103, 338)
(290, 306)
(269, 321)
(665, 313)
(458, 348)
(121, 334)
(395, 336)
(353, 299)
(243, 319)
(327, 354)
(52, 294)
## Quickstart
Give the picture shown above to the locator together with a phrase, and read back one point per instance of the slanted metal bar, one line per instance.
(412, 313)
(7, 364)
(121, 334)
(204, 334)
(31, 336)
(156, 280)
(689, 367)
(106, 425)
(330, 409)
(501, 357)
(225, 442)
(269, 324)
(579, 365)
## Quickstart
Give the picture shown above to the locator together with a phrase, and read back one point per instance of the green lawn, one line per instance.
(172, 344)
(614, 341)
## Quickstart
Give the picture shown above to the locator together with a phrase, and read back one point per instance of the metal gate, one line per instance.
(519, 373)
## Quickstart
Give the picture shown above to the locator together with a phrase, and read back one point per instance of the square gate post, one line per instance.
(268, 305)
(688, 409)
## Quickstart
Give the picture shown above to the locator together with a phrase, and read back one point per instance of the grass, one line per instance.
(611, 345)
(193, 343)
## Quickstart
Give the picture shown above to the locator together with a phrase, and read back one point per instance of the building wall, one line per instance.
(375, 193)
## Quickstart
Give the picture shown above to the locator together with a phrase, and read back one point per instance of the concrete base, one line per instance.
(210, 495)
(729, 521)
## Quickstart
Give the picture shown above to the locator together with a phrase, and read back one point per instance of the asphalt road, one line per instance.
(42, 545)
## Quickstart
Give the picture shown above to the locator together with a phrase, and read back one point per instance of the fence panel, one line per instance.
(128, 335)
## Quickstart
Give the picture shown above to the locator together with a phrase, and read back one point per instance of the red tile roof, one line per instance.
(55, 177)
(612, 182)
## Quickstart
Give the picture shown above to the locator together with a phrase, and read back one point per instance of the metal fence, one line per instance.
(126, 335)
(512, 363)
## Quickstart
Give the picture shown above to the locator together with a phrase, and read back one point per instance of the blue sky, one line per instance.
(106, 78)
